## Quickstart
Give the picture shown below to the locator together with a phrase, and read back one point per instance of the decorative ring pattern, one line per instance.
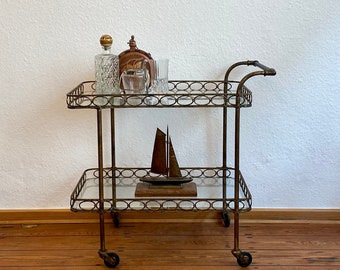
(181, 94)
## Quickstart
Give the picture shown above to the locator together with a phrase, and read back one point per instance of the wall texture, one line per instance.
(290, 137)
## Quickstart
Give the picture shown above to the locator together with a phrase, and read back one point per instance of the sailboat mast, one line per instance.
(167, 152)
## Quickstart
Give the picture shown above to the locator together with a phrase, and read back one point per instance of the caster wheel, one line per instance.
(111, 260)
(226, 219)
(244, 259)
(115, 219)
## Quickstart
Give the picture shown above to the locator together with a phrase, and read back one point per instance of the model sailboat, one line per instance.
(164, 163)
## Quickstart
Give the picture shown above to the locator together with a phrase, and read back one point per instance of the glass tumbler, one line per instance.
(134, 83)
(159, 80)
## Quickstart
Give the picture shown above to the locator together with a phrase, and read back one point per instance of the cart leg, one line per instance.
(225, 214)
(111, 259)
(243, 258)
(114, 215)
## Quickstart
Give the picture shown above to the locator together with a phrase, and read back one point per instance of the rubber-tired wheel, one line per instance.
(244, 259)
(226, 219)
(111, 260)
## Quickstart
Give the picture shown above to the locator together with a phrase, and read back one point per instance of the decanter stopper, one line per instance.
(106, 40)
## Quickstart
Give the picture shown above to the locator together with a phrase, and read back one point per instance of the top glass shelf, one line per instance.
(181, 94)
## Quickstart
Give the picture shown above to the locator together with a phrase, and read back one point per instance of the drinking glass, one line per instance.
(159, 79)
(134, 82)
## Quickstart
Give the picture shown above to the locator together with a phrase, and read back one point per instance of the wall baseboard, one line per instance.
(41, 216)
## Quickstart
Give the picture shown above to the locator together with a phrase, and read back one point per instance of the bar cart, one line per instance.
(226, 183)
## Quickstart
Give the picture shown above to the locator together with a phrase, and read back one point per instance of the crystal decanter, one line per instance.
(107, 72)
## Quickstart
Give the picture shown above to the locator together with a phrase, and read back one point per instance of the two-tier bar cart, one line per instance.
(225, 184)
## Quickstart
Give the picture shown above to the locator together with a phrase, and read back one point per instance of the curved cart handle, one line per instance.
(266, 71)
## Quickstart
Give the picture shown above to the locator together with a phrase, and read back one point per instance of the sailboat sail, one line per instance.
(174, 170)
(158, 164)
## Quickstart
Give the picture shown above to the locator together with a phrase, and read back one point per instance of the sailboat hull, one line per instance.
(166, 181)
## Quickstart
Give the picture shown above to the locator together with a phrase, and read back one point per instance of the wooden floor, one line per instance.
(172, 246)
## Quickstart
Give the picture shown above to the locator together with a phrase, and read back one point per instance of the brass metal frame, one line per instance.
(225, 94)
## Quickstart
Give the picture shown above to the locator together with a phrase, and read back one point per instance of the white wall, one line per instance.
(290, 137)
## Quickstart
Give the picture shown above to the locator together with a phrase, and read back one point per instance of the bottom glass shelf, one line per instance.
(120, 186)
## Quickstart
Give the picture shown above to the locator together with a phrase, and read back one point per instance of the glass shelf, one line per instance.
(209, 183)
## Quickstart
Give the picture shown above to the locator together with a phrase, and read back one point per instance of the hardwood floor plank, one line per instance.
(164, 228)
(276, 257)
(48, 258)
(169, 242)
(136, 242)
(93, 229)
(290, 228)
